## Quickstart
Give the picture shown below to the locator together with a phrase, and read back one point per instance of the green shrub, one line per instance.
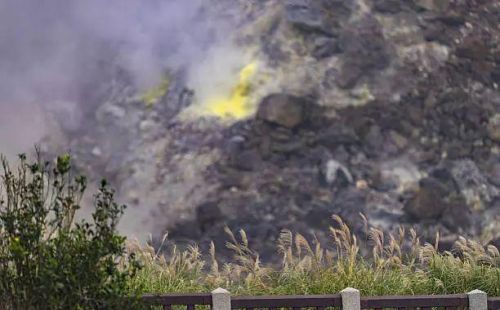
(48, 260)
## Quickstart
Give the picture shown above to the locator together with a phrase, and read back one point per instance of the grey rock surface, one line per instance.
(404, 94)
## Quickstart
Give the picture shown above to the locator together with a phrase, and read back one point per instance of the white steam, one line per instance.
(51, 50)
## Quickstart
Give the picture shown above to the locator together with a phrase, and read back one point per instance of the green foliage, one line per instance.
(47, 259)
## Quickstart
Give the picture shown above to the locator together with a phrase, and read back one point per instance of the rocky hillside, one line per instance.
(387, 108)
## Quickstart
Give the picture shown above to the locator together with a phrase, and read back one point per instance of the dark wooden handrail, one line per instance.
(320, 302)
(460, 300)
(286, 301)
(494, 303)
(178, 299)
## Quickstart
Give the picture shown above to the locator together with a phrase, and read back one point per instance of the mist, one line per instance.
(50, 51)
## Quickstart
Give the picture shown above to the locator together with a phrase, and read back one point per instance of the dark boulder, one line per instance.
(365, 50)
(429, 201)
(308, 17)
(348, 204)
(319, 216)
(349, 76)
(247, 160)
(473, 48)
(458, 216)
(324, 47)
(208, 214)
(432, 5)
(387, 6)
(283, 109)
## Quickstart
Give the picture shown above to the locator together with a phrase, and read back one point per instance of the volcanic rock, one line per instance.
(349, 203)
(305, 15)
(433, 5)
(494, 127)
(208, 214)
(365, 50)
(473, 48)
(396, 175)
(387, 6)
(473, 184)
(429, 202)
(494, 174)
(282, 109)
(405, 98)
(335, 171)
(320, 215)
(247, 160)
(325, 47)
(457, 217)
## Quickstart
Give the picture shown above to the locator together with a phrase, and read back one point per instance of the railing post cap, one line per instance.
(221, 299)
(220, 290)
(474, 292)
(349, 290)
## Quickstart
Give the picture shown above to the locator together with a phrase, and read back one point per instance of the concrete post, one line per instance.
(478, 300)
(221, 299)
(351, 299)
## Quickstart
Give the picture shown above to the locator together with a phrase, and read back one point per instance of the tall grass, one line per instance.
(397, 264)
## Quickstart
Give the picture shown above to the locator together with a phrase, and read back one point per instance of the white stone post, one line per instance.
(221, 299)
(478, 300)
(351, 299)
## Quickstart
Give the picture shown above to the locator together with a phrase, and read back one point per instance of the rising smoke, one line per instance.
(50, 51)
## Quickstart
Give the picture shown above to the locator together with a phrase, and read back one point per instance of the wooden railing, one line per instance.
(188, 300)
(348, 299)
(416, 302)
(494, 303)
(293, 302)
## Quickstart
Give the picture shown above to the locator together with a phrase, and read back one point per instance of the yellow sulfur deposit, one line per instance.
(151, 96)
(236, 105)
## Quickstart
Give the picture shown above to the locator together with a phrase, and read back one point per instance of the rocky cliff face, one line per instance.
(382, 107)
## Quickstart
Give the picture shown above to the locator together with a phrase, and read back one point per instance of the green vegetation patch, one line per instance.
(308, 268)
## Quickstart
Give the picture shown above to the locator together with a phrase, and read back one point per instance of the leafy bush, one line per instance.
(48, 260)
